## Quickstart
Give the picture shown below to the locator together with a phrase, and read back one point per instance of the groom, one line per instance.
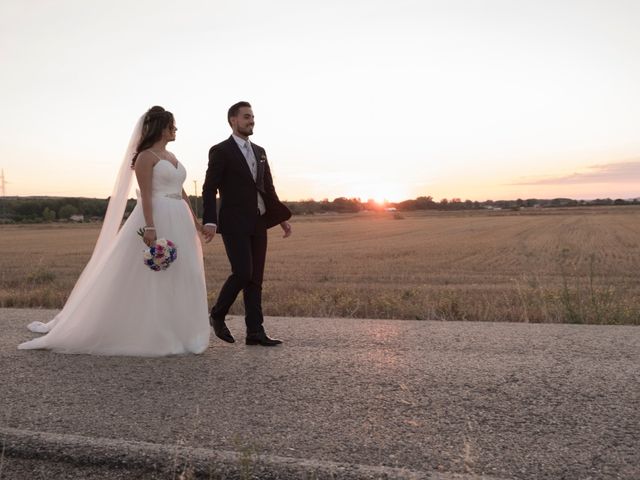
(249, 205)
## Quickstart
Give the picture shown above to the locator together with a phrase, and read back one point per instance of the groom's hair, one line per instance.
(235, 108)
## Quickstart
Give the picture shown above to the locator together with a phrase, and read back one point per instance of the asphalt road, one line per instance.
(342, 398)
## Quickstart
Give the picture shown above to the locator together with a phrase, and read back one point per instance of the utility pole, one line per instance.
(195, 190)
(3, 192)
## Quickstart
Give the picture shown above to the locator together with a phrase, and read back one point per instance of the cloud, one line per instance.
(617, 172)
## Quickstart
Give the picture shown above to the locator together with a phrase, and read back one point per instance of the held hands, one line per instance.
(286, 227)
(208, 232)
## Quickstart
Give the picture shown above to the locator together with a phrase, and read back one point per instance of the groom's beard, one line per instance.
(246, 131)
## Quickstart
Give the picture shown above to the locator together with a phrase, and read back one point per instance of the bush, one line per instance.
(66, 211)
(48, 215)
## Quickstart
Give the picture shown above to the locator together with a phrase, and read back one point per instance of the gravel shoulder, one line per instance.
(359, 398)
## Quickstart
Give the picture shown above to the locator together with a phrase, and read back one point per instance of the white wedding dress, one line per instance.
(123, 307)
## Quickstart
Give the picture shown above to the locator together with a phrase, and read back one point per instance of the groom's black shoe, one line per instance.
(221, 330)
(261, 339)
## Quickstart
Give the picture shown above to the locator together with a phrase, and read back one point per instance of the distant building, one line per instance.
(77, 218)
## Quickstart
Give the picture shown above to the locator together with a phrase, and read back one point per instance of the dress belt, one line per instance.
(175, 196)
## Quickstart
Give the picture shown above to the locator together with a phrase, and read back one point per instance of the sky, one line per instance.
(470, 99)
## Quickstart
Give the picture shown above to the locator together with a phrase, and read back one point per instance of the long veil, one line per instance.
(110, 228)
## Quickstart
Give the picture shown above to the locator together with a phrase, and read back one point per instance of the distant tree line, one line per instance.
(49, 209)
(354, 205)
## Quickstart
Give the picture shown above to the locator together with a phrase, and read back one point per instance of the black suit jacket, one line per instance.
(229, 174)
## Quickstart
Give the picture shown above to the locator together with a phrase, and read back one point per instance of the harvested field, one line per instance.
(577, 265)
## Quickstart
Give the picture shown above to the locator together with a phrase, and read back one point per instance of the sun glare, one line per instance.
(382, 194)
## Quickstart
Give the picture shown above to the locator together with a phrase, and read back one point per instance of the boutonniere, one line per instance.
(263, 158)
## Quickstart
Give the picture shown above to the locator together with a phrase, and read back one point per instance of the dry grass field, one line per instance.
(577, 265)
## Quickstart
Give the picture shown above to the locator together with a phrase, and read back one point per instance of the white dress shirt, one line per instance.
(250, 157)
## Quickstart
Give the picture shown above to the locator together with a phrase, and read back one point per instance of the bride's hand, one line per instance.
(149, 237)
(208, 232)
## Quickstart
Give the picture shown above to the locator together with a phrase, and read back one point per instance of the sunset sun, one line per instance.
(382, 193)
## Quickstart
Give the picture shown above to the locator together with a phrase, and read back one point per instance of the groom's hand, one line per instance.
(208, 232)
(286, 227)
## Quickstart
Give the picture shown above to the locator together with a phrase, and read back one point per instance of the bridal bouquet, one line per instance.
(160, 255)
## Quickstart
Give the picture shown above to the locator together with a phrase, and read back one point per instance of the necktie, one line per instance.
(250, 159)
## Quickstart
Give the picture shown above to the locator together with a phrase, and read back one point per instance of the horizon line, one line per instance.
(360, 200)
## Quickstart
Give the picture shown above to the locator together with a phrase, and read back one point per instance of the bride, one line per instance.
(119, 306)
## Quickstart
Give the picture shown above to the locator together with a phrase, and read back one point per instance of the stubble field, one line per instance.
(575, 265)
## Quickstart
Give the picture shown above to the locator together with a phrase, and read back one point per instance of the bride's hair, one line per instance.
(155, 121)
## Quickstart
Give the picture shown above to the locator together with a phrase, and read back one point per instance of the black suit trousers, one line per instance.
(247, 254)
